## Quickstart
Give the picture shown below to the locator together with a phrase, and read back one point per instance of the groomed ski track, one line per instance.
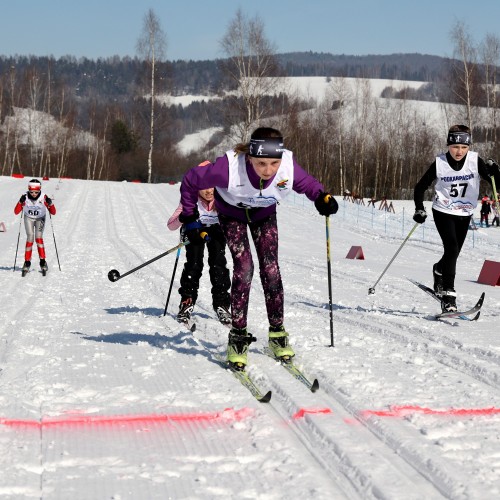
(77, 349)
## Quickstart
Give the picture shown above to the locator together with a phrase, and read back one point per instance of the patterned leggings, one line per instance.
(265, 237)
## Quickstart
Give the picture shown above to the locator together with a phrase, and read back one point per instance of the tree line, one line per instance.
(105, 120)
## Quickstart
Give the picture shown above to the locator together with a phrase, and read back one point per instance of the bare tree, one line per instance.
(490, 55)
(152, 46)
(339, 94)
(11, 154)
(251, 64)
(466, 73)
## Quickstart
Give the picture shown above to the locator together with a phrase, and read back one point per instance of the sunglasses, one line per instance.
(33, 191)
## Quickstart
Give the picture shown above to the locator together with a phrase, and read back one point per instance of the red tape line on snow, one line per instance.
(228, 415)
(403, 411)
(303, 411)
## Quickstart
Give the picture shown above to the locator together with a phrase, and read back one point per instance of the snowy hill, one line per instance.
(311, 88)
(39, 129)
(436, 117)
(104, 397)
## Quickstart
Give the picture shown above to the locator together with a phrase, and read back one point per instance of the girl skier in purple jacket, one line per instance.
(249, 181)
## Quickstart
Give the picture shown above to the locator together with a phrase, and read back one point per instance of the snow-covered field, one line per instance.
(103, 397)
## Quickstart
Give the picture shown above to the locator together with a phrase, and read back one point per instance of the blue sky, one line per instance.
(103, 28)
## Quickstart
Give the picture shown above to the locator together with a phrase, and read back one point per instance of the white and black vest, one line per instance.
(207, 217)
(457, 192)
(240, 192)
(35, 209)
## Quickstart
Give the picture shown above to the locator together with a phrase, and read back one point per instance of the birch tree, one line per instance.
(339, 94)
(490, 55)
(465, 72)
(152, 46)
(251, 65)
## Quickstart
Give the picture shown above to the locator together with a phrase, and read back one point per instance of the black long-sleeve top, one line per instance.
(430, 176)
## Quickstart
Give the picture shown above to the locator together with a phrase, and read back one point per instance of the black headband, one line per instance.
(271, 147)
(459, 138)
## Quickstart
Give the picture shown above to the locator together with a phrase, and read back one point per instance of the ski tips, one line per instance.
(266, 398)
(113, 275)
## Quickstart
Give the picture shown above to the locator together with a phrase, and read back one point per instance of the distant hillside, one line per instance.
(417, 67)
(118, 78)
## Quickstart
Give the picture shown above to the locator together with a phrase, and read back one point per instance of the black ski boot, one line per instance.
(223, 314)
(26, 268)
(185, 310)
(438, 280)
(43, 266)
(449, 301)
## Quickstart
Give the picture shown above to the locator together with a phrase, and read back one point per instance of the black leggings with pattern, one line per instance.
(264, 234)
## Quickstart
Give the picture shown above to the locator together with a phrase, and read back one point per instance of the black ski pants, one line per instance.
(453, 231)
(218, 271)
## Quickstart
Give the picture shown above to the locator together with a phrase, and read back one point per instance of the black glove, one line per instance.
(22, 199)
(186, 219)
(420, 216)
(195, 233)
(492, 167)
(48, 200)
(326, 204)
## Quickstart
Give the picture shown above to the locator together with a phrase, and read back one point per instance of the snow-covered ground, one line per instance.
(103, 397)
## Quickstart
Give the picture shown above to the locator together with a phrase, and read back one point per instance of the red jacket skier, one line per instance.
(34, 204)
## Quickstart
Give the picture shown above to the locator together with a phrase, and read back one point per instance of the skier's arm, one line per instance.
(488, 169)
(422, 185)
(174, 222)
(305, 183)
(20, 204)
(50, 205)
(205, 176)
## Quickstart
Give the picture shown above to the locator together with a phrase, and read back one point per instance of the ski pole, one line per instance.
(494, 188)
(329, 266)
(372, 289)
(18, 236)
(55, 245)
(490, 162)
(172, 280)
(114, 275)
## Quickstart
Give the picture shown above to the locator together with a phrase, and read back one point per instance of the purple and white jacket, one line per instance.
(225, 168)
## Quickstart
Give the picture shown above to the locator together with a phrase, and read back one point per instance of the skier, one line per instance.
(249, 181)
(485, 211)
(191, 274)
(34, 204)
(456, 196)
(496, 214)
